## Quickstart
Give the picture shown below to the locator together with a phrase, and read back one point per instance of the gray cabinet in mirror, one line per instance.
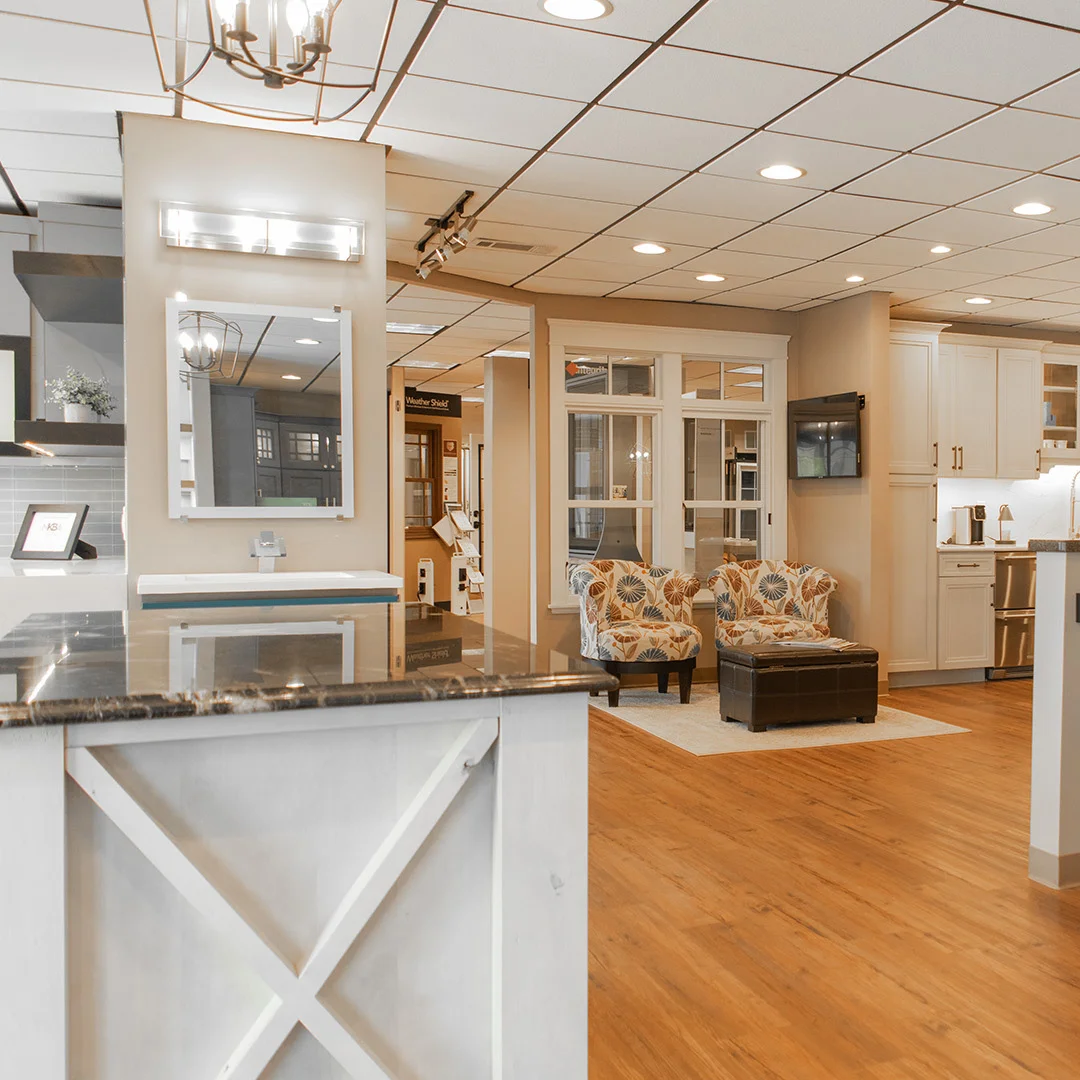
(260, 411)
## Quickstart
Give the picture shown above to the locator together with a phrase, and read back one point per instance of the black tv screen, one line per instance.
(824, 437)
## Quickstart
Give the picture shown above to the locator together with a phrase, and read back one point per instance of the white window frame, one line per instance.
(668, 408)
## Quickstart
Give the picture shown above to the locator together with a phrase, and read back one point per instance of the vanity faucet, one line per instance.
(266, 547)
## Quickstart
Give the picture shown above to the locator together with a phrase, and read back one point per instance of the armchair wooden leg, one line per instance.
(613, 695)
(662, 681)
(686, 680)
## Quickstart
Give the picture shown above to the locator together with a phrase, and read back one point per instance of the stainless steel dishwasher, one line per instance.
(1014, 615)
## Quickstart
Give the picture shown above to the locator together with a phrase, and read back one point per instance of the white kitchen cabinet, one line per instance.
(1019, 423)
(967, 395)
(914, 599)
(912, 362)
(965, 622)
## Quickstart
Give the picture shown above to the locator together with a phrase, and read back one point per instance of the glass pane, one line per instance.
(744, 382)
(740, 460)
(714, 537)
(587, 374)
(264, 444)
(632, 457)
(614, 533)
(417, 455)
(304, 445)
(633, 375)
(418, 503)
(701, 379)
(704, 449)
(588, 457)
(1059, 406)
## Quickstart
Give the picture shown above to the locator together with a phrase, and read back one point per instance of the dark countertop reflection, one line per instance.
(85, 667)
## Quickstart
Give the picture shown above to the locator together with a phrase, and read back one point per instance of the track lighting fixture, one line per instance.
(450, 234)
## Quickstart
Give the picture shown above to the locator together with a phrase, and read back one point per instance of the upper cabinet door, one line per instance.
(967, 433)
(912, 361)
(1019, 404)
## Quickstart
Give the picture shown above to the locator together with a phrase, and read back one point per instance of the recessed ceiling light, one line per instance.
(295, 685)
(306, 341)
(854, 279)
(709, 277)
(940, 249)
(650, 249)
(323, 318)
(978, 300)
(413, 328)
(291, 378)
(181, 297)
(1032, 209)
(782, 172)
(577, 10)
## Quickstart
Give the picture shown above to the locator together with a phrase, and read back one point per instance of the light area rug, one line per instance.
(699, 729)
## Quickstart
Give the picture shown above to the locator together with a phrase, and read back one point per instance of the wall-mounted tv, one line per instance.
(825, 437)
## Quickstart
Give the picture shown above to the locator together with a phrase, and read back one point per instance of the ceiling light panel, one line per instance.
(424, 330)
(477, 112)
(856, 213)
(594, 178)
(832, 35)
(879, 115)
(577, 10)
(648, 138)
(532, 58)
(1012, 138)
(827, 164)
(933, 179)
(782, 172)
(1012, 58)
(741, 92)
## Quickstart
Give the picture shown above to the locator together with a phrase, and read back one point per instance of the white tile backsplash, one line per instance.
(1040, 507)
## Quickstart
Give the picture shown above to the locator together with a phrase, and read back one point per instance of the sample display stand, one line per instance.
(466, 578)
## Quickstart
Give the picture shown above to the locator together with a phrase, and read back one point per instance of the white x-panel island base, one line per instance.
(388, 891)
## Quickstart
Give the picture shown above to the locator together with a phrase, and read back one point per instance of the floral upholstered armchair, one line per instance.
(764, 600)
(638, 618)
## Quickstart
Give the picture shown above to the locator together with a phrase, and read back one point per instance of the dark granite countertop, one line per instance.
(1063, 546)
(87, 667)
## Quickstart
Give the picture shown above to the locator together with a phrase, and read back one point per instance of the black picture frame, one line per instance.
(72, 544)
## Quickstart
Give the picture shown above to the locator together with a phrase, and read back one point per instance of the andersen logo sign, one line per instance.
(432, 404)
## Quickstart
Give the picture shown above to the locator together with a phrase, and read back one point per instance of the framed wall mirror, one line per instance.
(260, 411)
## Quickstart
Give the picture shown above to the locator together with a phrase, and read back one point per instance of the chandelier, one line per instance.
(209, 345)
(282, 44)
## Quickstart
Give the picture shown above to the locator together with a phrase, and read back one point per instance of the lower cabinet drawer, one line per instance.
(965, 564)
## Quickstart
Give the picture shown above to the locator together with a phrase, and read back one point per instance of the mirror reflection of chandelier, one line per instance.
(209, 344)
(282, 44)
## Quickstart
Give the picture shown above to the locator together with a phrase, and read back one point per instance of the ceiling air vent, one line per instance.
(510, 245)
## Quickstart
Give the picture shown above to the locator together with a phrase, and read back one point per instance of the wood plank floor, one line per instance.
(846, 912)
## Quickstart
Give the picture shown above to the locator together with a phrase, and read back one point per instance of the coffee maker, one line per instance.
(969, 525)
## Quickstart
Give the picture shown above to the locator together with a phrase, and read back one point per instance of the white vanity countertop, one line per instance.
(281, 581)
(38, 568)
(985, 549)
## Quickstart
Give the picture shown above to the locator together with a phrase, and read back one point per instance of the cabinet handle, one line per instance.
(961, 459)
(954, 459)
(968, 565)
(935, 456)
(1038, 462)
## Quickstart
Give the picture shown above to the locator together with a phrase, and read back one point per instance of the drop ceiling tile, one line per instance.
(570, 286)
(555, 211)
(508, 262)
(704, 86)
(421, 195)
(58, 121)
(1071, 169)
(933, 279)
(645, 19)
(595, 178)
(856, 213)
(879, 115)
(728, 262)
(954, 303)
(620, 250)
(1060, 12)
(836, 271)
(1028, 288)
(687, 279)
(808, 305)
(42, 152)
(673, 227)
(831, 36)
(659, 292)
(1026, 310)
(994, 261)
(590, 270)
(419, 153)
(477, 112)
(1063, 240)
(896, 250)
(725, 197)
(1062, 195)
(955, 226)
(401, 225)
(1067, 270)
(552, 241)
(72, 187)
(751, 299)
(978, 55)
(407, 309)
(1013, 138)
(932, 180)
(1062, 98)
(647, 138)
(781, 286)
(794, 242)
(827, 164)
(531, 57)
(498, 277)
(1070, 325)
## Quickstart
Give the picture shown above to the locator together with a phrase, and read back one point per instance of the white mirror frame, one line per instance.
(174, 412)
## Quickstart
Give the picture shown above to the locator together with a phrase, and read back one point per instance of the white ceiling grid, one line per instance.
(919, 122)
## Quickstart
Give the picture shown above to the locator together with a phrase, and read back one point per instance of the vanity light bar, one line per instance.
(337, 239)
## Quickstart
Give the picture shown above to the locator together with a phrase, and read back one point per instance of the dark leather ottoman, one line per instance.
(765, 685)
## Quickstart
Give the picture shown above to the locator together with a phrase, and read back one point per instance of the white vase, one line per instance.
(79, 414)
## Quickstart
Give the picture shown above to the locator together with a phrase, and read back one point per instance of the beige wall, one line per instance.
(843, 525)
(224, 166)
